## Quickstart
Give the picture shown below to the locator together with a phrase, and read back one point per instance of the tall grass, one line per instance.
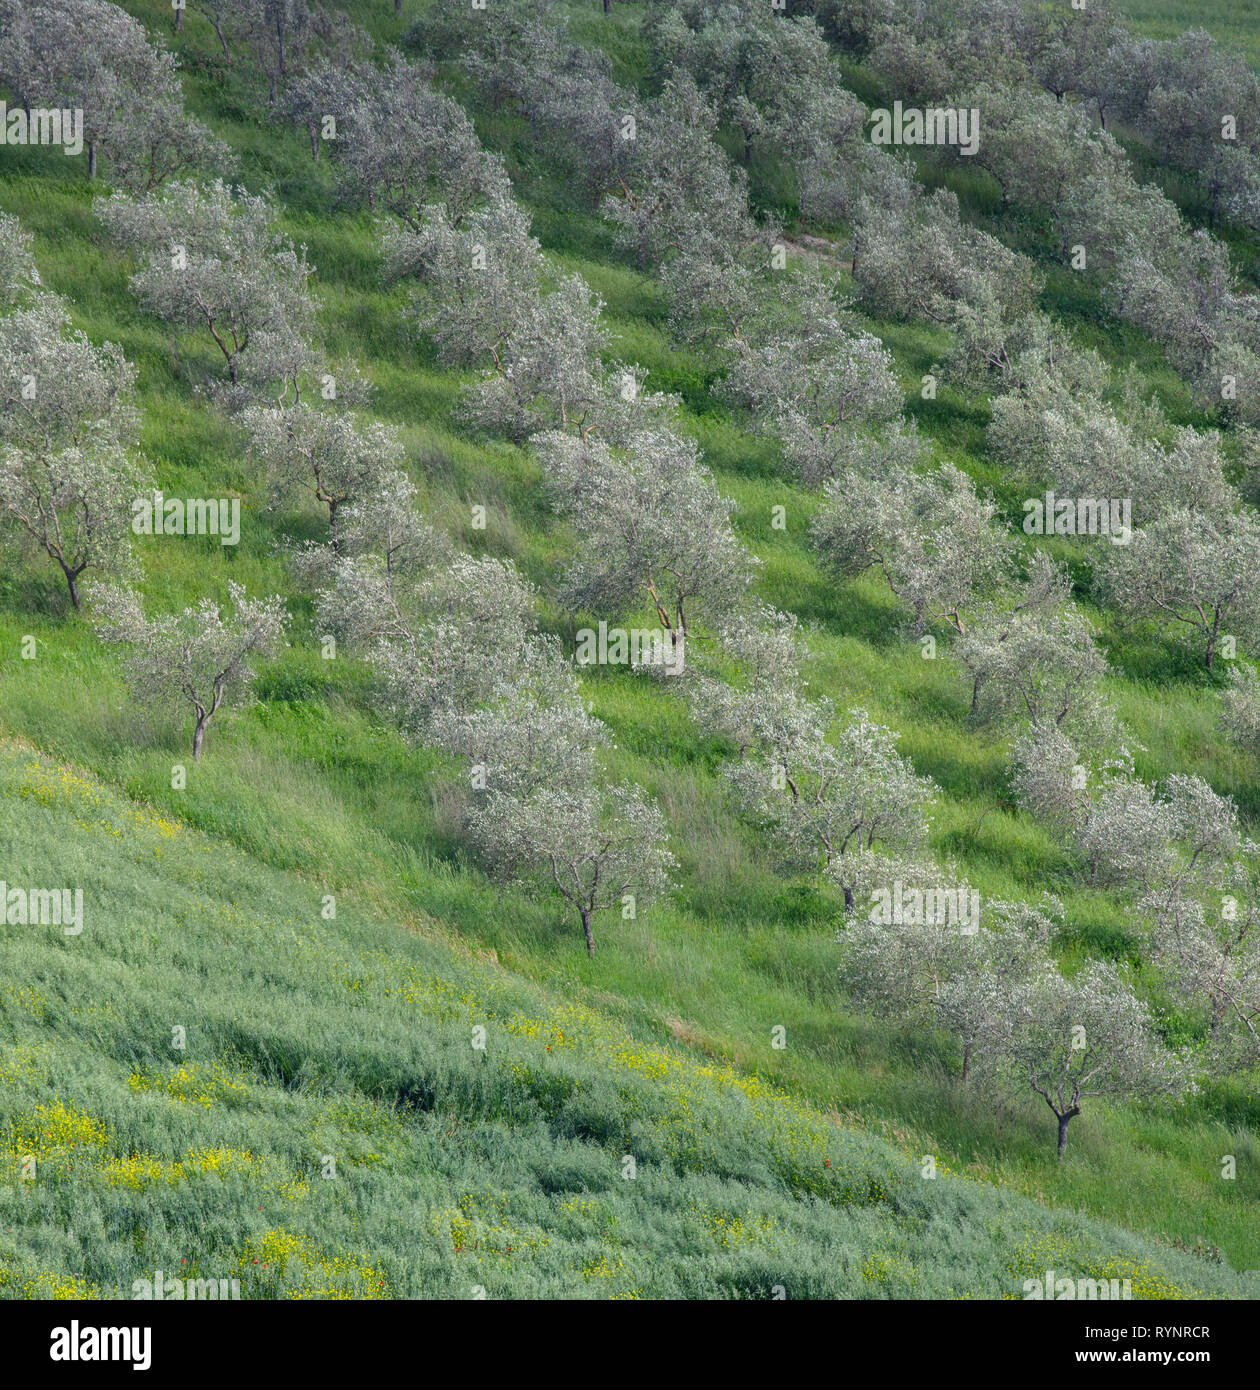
(218, 1081)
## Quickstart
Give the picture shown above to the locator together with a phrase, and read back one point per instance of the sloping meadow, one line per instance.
(217, 1080)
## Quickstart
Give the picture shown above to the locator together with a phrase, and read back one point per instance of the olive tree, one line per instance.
(934, 540)
(1043, 667)
(651, 526)
(19, 276)
(322, 97)
(404, 145)
(1117, 827)
(599, 849)
(56, 385)
(679, 192)
(482, 294)
(548, 373)
(1049, 778)
(840, 800)
(1078, 51)
(1192, 879)
(1208, 952)
(812, 385)
(1059, 428)
(715, 295)
(1126, 833)
(438, 639)
(927, 971)
(211, 258)
(768, 76)
(502, 47)
(764, 707)
(1240, 708)
(1033, 656)
(832, 801)
(475, 285)
(1193, 570)
(332, 455)
(583, 121)
(276, 34)
(67, 475)
(383, 518)
(534, 731)
(74, 504)
(218, 14)
(1202, 110)
(922, 262)
(1070, 1040)
(201, 657)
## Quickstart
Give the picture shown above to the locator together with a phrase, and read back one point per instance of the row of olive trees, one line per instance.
(90, 55)
(1022, 67)
(652, 529)
(1197, 104)
(68, 468)
(446, 635)
(69, 474)
(1061, 420)
(449, 637)
(1174, 283)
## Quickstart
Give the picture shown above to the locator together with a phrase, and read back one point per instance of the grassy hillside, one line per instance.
(353, 1038)
(1235, 23)
(453, 1167)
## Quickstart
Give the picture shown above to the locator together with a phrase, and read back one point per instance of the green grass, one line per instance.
(330, 1128)
(1235, 23)
(307, 793)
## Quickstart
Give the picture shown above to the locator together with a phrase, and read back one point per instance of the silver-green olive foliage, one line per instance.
(68, 470)
(211, 259)
(92, 56)
(202, 657)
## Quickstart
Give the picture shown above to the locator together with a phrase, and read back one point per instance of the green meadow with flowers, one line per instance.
(327, 1126)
